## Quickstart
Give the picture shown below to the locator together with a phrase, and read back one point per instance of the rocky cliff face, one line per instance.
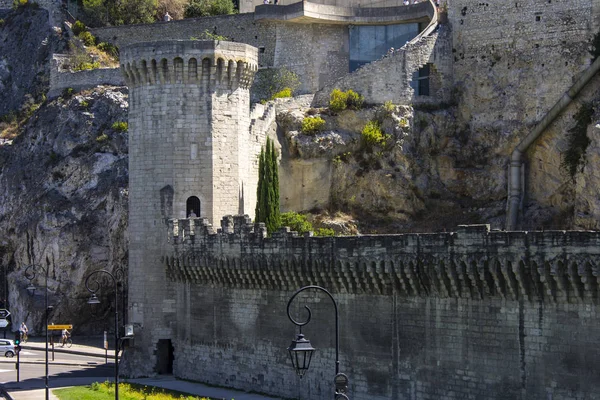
(429, 174)
(434, 172)
(63, 204)
(26, 43)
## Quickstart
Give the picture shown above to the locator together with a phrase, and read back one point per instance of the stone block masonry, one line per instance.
(238, 28)
(514, 60)
(81, 80)
(189, 140)
(465, 314)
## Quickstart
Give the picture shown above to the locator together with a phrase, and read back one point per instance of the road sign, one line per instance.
(4, 313)
(3, 323)
(59, 327)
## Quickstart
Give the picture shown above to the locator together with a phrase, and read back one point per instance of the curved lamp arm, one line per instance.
(301, 324)
(94, 285)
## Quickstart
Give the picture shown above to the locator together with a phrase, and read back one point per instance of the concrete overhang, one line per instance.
(310, 13)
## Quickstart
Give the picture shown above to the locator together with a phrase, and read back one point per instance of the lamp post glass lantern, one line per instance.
(93, 286)
(30, 274)
(301, 353)
(301, 350)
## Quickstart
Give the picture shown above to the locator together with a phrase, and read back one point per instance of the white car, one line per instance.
(7, 347)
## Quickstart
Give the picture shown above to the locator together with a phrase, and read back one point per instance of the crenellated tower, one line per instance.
(191, 150)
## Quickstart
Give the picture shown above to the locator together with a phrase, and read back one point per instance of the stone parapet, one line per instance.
(311, 12)
(471, 262)
(81, 80)
(193, 61)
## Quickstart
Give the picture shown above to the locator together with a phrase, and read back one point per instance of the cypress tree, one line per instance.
(275, 212)
(267, 192)
(258, 211)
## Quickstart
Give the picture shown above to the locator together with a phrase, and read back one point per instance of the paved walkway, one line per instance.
(34, 389)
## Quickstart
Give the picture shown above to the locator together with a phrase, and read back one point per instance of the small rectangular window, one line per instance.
(420, 81)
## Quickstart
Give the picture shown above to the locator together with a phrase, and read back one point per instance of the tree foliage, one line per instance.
(267, 192)
(175, 8)
(299, 223)
(204, 8)
(270, 83)
(123, 12)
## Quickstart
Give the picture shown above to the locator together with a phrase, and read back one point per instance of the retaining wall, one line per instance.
(81, 80)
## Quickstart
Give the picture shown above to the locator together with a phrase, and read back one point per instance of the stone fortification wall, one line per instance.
(465, 314)
(239, 28)
(61, 79)
(318, 53)
(389, 79)
(189, 136)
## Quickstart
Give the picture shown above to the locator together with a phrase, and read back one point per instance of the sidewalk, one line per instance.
(34, 389)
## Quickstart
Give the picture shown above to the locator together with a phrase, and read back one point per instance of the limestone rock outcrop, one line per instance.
(63, 205)
(26, 43)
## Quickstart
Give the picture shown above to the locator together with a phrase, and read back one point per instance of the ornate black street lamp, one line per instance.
(30, 275)
(301, 350)
(95, 286)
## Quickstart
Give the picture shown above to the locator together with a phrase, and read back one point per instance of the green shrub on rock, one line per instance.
(78, 28)
(87, 38)
(372, 134)
(354, 100)
(86, 66)
(120, 126)
(296, 222)
(299, 223)
(312, 125)
(109, 49)
(337, 100)
(287, 92)
(19, 3)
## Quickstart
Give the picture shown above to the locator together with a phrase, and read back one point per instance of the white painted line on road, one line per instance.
(5, 370)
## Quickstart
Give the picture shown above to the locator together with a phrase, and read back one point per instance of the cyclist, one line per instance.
(23, 331)
(65, 336)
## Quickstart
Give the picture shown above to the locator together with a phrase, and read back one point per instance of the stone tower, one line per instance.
(191, 150)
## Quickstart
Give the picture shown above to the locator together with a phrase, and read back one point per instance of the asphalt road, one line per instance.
(32, 368)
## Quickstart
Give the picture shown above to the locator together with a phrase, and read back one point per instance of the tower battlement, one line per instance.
(206, 62)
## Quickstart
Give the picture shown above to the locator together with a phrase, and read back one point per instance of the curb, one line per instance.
(76, 352)
(51, 363)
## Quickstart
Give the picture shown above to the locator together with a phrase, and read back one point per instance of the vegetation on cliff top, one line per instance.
(98, 13)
